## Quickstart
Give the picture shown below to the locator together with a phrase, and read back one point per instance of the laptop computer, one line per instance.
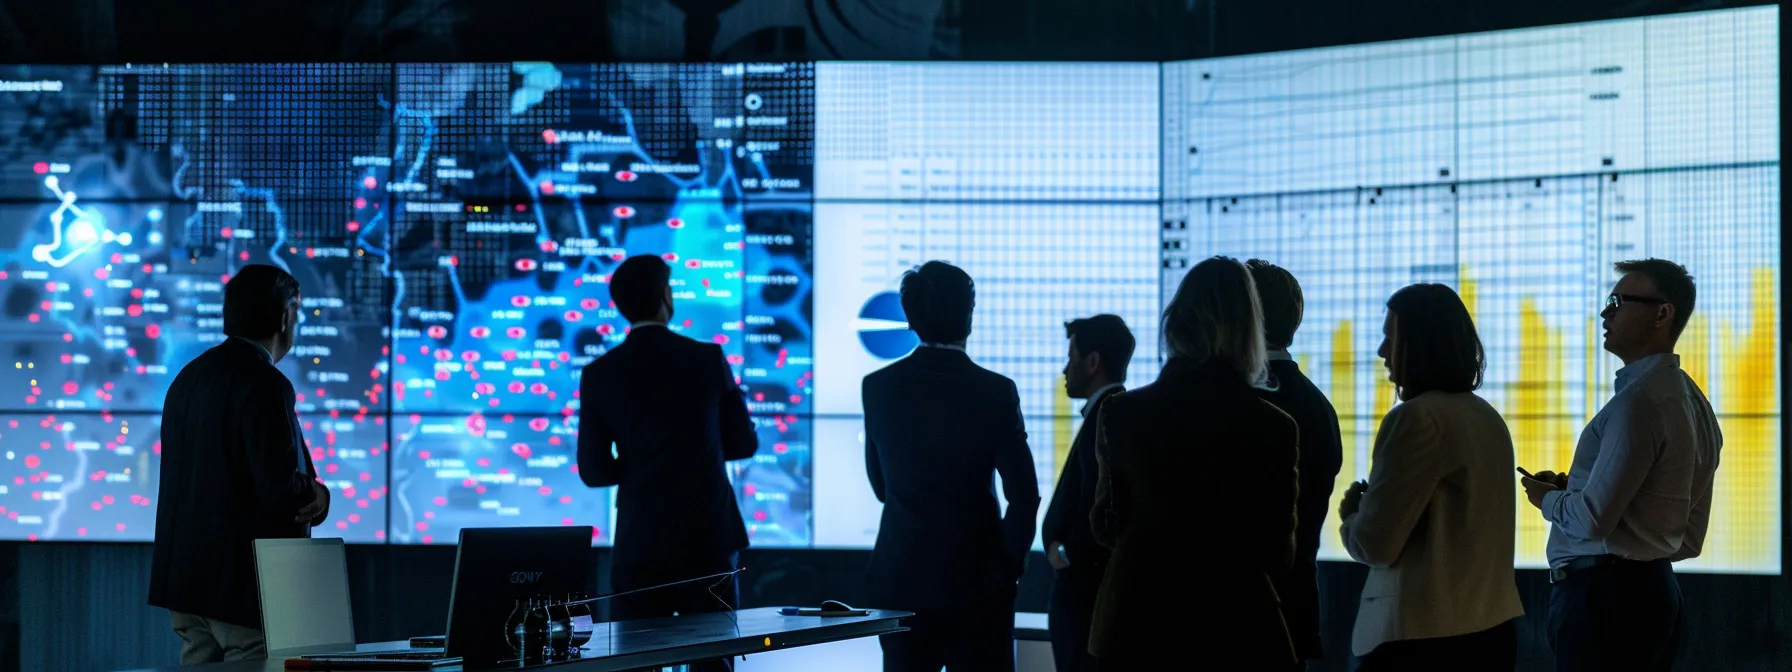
(304, 596)
(307, 617)
(306, 614)
(497, 567)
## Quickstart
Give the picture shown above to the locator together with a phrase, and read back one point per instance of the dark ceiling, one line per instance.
(93, 31)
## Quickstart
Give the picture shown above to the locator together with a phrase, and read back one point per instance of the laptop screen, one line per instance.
(304, 596)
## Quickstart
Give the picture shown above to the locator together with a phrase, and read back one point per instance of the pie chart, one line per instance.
(883, 327)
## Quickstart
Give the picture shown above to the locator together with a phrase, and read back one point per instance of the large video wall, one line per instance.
(1516, 167)
(453, 227)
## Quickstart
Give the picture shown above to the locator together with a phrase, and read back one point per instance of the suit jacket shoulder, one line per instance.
(666, 349)
(1440, 411)
(1279, 423)
(990, 377)
(966, 376)
(881, 379)
(1117, 415)
(262, 373)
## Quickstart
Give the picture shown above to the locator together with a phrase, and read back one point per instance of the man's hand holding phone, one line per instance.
(1054, 554)
(1353, 499)
(1541, 483)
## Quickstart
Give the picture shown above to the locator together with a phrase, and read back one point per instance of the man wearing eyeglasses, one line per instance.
(1639, 495)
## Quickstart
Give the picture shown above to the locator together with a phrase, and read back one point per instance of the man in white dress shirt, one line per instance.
(1639, 495)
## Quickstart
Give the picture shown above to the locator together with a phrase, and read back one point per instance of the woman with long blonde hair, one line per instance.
(1196, 491)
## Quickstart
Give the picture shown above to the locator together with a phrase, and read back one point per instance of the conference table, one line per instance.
(667, 642)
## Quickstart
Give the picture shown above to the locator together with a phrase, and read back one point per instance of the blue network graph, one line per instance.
(453, 228)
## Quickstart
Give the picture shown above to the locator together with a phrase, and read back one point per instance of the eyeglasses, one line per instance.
(1614, 301)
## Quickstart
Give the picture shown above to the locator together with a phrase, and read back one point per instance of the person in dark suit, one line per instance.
(1321, 452)
(937, 429)
(1100, 349)
(234, 469)
(1199, 450)
(675, 414)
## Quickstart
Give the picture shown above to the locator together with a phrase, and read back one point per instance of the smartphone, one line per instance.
(1528, 474)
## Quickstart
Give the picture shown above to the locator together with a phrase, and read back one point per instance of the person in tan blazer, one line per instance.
(1198, 449)
(1435, 520)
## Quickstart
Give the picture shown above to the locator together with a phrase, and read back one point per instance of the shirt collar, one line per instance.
(645, 323)
(1105, 390)
(944, 346)
(1642, 367)
(1280, 355)
(258, 348)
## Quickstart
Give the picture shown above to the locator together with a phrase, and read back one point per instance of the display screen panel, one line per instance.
(453, 227)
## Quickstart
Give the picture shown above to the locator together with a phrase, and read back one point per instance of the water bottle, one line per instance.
(559, 629)
(535, 623)
(582, 621)
(514, 632)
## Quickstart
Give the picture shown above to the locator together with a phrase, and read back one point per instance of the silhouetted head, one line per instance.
(1100, 349)
(642, 289)
(1216, 313)
(1648, 308)
(1429, 342)
(261, 303)
(938, 298)
(1283, 304)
